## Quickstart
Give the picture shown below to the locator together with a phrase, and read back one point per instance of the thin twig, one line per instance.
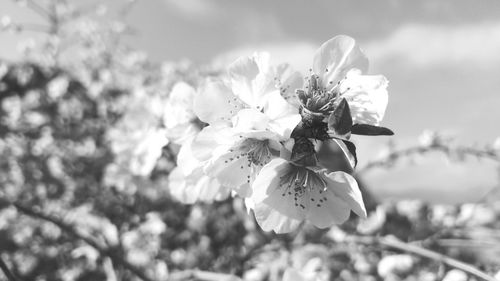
(68, 228)
(416, 250)
(10, 276)
(395, 155)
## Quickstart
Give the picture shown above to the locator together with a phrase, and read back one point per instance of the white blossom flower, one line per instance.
(337, 73)
(252, 84)
(285, 194)
(253, 117)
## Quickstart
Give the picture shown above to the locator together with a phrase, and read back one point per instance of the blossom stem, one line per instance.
(416, 250)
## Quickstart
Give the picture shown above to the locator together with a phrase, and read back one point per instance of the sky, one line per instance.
(442, 58)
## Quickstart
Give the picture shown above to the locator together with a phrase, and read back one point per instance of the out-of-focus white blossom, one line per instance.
(395, 264)
(57, 86)
(496, 145)
(189, 184)
(374, 222)
(178, 115)
(5, 22)
(143, 243)
(455, 275)
(309, 263)
(138, 139)
(4, 69)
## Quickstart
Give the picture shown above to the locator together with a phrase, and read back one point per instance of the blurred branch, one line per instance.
(126, 9)
(407, 152)
(419, 251)
(467, 243)
(31, 27)
(202, 275)
(38, 9)
(10, 276)
(68, 228)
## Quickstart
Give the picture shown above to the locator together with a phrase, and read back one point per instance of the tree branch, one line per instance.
(202, 275)
(395, 155)
(5, 269)
(68, 228)
(419, 251)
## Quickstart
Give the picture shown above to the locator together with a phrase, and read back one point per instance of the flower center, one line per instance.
(305, 185)
(317, 99)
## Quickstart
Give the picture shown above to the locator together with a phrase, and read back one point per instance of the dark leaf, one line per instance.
(370, 130)
(340, 121)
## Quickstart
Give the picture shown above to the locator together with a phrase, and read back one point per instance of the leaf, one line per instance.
(370, 130)
(349, 150)
(340, 121)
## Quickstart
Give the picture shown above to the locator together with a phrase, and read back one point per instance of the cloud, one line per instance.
(434, 178)
(425, 45)
(413, 45)
(297, 54)
(194, 8)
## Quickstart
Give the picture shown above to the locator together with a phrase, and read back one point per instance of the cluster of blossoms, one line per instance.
(264, 126)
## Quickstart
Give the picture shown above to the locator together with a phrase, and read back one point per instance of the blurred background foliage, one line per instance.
(76, 202)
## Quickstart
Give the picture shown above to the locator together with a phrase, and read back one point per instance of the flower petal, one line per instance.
(186, 161)
(270, 219)
(182, 133)
(327, 212)
(345, 186)
(216, 102)
(251, 79)
(267, 189)
(250, 119)
(335, 58)
(283, 116)
(268, 179)
(230, 169)
(289, 81)
(211, 137)
(367, 97)
(210, 189)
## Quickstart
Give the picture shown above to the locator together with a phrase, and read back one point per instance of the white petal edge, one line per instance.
(367, 97)
(336, 57)
(345, 186)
